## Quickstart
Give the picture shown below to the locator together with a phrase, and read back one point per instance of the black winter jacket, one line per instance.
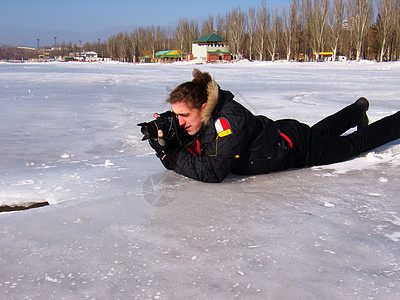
(232, 139)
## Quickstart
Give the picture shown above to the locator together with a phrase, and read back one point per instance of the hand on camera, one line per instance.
(158, 144)
(167, 140)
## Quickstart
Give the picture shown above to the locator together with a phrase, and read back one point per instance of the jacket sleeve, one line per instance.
(217, 158)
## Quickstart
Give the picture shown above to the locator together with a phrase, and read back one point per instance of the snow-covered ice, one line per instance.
(121, 227)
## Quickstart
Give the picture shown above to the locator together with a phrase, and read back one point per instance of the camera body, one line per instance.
(168, 123)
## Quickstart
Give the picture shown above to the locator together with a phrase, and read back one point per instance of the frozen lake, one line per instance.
(121, 227)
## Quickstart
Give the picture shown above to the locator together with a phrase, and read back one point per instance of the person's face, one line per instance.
(189, 118)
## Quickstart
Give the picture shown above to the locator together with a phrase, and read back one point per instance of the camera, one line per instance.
(168, 123)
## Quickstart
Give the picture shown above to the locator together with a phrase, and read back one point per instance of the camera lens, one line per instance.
(144, 130)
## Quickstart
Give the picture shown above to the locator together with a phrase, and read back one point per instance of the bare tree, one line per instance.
(193, 33)
(251, 23)
(159, 37)
(385, 25)
(147, 41)
(235, 24)
(151, 41)
(360, 17)
(111, 47)
(336, 19)
(121, 46)
(290, 21)
(207, 26)
(142, 37)
(134, 45)
(261, 31)
(316, 15)
(166, 38)
(182, 35)
(221, 24)
(274, 33)
(396, 32)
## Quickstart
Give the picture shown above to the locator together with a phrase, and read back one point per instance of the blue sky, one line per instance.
(22, 22)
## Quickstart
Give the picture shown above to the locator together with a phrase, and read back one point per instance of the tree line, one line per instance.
(300, 31)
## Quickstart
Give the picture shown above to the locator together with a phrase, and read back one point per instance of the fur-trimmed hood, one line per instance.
(217, 99)
(213, 93)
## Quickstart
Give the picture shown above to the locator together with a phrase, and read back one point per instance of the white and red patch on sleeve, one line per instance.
(223, 128)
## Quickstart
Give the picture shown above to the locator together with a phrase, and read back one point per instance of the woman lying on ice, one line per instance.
(223, 136)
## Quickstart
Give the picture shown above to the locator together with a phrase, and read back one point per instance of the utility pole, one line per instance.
(38, 43)
(80, 45)
(55, 42)
(99, 49)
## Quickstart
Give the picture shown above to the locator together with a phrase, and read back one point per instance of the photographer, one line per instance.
(222, 136)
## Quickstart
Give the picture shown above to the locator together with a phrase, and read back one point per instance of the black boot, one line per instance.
(364, 106)
(351, 116)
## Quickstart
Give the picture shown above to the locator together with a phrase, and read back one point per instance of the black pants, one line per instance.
(323, 143)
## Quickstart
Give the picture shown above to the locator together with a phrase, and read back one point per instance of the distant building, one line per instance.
(83, 56)
(167, 56)
(44, 56)
(324, 56)
(328, 56)
(211, 47)
(90, 56)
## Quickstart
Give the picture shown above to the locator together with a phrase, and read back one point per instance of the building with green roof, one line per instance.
(168, 56)
(211, 47)
(210, 37)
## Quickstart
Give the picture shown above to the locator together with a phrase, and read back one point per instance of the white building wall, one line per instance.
(199, 51)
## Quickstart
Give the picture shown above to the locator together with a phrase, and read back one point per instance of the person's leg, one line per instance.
(349, 117)
(381, 132)
(332, 149)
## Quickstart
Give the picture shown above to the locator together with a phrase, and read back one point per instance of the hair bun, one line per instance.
(201, 77)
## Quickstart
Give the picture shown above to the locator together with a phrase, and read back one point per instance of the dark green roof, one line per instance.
(211, 37)
(218, 52)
